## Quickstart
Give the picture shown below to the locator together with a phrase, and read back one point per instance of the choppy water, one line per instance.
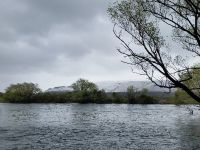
(93, 126)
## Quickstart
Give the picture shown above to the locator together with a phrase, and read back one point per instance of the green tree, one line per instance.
(191, 78)
(84, 85)
(21, 92)
(83, 91)
(181, 97)
(144, 91)
(138, 22)
(145, 99)
(118, 98)
(1, 96)
(131, 94)
(99, 96)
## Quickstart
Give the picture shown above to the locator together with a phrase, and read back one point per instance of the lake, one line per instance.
(98, 126)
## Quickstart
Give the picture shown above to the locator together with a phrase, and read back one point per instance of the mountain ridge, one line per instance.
(116, 86)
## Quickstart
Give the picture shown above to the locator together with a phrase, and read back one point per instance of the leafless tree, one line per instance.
(137, 24)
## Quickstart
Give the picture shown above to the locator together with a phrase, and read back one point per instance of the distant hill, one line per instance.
(116, 86)
(112, 86)
(60, 89)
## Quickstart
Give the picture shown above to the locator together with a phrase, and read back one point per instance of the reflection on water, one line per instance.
(93, 126)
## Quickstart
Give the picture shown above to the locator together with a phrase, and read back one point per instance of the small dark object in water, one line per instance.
(190, 110)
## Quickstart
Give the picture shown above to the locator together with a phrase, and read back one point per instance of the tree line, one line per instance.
(84, 91)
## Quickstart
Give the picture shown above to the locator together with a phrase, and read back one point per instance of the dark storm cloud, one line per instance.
(43, 40)
(39, 16)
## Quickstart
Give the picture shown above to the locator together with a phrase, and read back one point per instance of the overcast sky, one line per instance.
(55, 42)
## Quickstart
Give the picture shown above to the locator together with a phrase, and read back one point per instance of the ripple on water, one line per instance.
(92, 126)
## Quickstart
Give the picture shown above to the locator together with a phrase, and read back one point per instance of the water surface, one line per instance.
(93, 126)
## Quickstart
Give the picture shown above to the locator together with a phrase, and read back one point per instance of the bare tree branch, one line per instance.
(137, 22)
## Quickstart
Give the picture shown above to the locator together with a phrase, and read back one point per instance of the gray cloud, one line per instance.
(55, 42)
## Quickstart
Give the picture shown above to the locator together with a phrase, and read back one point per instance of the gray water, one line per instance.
(93, 126)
